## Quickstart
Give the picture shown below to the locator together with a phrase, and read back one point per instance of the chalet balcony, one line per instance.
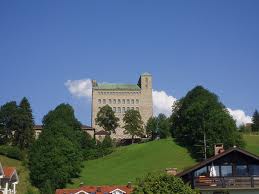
(204, 182)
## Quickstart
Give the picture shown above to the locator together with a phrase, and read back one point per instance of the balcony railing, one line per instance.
(226, 182)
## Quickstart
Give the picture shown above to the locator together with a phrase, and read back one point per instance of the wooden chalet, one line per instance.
(234, 170)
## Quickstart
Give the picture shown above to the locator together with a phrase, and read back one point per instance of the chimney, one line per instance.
(218, 148)
(98, 189)
(129, 185)
(171, 171)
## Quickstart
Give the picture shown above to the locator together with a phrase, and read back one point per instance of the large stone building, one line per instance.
(122, 97)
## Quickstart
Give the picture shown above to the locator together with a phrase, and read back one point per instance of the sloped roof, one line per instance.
(9, 171)
(211, 159)
(89, 189)
(117, 87)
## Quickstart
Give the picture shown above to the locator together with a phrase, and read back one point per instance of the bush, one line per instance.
(162, 183)
(12, 152)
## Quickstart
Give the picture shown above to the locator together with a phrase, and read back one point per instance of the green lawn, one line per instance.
(24, 183)
(127, 163)
(252, 143)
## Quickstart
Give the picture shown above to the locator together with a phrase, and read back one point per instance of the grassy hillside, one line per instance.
(252, 143)
(127, 163)
(24, 183)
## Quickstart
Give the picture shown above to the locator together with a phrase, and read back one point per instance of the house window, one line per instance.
(241, 170)
(128, 108)
(119, 109)
(123, 109)
(201, 172)
(254, 170)
(123, 101)
(114, 101)
(110, 101)
(99, 101)
(128, 101)
(104, 101)
(119, 101)
(226, 170)
(114, 109)
(137, 108)
(137, 101)
(132, 108)
(132, 101)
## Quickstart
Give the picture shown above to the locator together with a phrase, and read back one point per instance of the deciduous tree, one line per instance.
(106, 119)
(133, 124)
(162, 183)
(200, 120)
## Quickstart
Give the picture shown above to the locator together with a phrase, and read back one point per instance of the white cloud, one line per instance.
(162, 102)
(80, 88)
(239, 116)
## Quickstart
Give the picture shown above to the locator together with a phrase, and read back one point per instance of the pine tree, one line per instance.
(255, 119)
(24, 136)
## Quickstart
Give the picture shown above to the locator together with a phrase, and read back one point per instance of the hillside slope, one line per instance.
(24, 183)
(127, 163)
(252, 143)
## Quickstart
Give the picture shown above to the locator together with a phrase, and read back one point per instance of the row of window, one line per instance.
(115, 93)
(118, 101)
(227, 170)
(123, 109)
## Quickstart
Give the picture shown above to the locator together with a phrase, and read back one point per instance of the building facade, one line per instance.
(123, 97)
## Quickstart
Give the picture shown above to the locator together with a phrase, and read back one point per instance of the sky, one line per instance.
(50, 50)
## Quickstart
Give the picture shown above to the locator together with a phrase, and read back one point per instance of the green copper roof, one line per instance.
(117, 87)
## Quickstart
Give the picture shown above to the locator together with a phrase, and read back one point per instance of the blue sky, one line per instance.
(214, 43)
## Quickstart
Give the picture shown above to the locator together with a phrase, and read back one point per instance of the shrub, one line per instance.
(12, 152)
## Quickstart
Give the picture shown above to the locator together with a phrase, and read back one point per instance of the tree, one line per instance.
(151, 127)
(162, 183)
(200, 120)
(158, 126)
(57, 154)
(133, 124)
(24, 135)
(106, 118)
(9, 122)
(255, 119)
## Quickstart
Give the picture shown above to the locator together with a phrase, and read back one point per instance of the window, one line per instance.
(123, 101)
(201, 172)
(114, 101)
(132, 108)
(119, 109)
(104, 101)
(226, 170)
(128, 108)
(132, 101)
(137, 108)
(254, 170)
(128, 101)
(137, 101)
(99, 101)
(110, 101)
(114, 109)
(241, 170)
(123, 109)
(119, 101)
